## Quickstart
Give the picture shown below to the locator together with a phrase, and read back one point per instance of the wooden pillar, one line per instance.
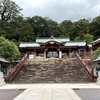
(34, 53)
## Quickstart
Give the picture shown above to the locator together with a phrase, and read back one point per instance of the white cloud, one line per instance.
(60, 10)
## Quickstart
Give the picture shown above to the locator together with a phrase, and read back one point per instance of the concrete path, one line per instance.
(48, 91)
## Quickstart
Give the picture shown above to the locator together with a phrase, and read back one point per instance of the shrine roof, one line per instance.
(96, 41)
(76, 43)
(29, 44)
(3, 60)
(39, 41)
(98, 59)
(34, 44)
(53, 39)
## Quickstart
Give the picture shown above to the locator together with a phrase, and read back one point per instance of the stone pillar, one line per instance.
(45, 53)
(34, 53)
(1, 79)
(98, 79)
(60, 54)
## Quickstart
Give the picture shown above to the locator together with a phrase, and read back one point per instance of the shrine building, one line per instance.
(52, 47)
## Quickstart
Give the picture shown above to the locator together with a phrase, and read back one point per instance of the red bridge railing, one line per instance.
(17, 68)
(86, 68)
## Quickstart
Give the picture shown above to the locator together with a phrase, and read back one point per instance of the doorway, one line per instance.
(52, 53)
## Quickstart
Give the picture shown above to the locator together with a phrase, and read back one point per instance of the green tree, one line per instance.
(43, 27)
(38, 24)
(65, 28)
(95, 27)
(96, 53)
(14, 31)
(77, 38)
(9, 31)
(88, 38)
(18, 22)
(51, 28)
(74, 30)
(9, 10)
(80, 36)
(8, 49)
(79, 28)
(2, 33)
(3, 28)
(64, 33)
(26, 33)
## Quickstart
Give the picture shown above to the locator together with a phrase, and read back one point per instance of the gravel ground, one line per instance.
(9, 94)
(88, 94)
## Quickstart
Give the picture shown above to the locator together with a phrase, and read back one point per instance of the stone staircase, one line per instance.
(51, 70)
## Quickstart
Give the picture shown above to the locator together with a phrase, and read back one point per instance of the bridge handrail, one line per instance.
(17, 68)
(86, 68)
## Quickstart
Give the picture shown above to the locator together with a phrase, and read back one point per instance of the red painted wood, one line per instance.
(17, 68)
(86, 68)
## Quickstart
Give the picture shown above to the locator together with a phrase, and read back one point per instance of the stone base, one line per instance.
(1, 79)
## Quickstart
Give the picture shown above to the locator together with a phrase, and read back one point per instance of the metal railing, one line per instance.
(17, 68)
(86, 68)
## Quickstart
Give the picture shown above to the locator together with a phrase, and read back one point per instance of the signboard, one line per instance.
(31, 56)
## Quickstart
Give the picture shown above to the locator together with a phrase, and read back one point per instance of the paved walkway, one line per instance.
(48, 91)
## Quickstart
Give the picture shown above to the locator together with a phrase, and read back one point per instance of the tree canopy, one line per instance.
(15, 27)
(8, 49)
(65, 27)
(43, 27)
(26, 33)
(95, 27)
(96, 53)
(9, 10)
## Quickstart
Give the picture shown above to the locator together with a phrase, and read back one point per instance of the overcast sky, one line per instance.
(60, 10)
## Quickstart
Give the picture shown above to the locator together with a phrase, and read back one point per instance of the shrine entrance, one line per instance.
(52, 53)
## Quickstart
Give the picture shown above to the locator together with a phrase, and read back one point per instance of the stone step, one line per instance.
(51, 71)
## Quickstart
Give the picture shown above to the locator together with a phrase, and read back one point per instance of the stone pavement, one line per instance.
(88, 94)
(49, 91)
(9, 94)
